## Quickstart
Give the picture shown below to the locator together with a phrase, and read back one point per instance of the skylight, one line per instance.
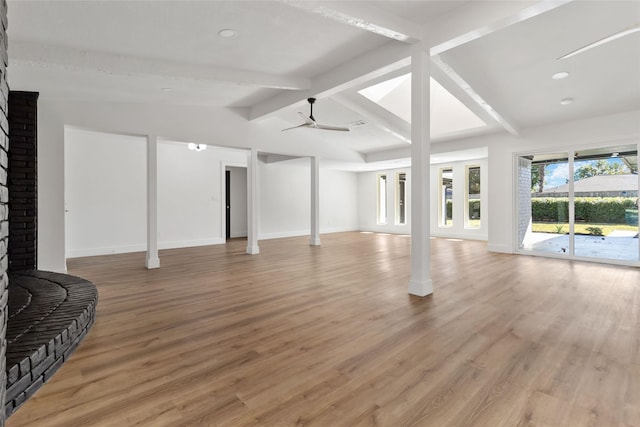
(448, 114)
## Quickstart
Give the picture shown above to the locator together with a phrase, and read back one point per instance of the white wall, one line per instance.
(105, 187)
(338, 201)
(105, 193)
(238, 198)
(285, 205)
(105, 190)
(191, 194)
(208, 125)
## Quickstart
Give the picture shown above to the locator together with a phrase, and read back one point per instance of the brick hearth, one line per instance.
(49, 314)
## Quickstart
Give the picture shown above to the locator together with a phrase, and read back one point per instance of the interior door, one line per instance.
(227, 184)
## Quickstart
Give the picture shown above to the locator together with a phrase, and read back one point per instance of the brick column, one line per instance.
(22, 180)
(4, 200)
(524, 199)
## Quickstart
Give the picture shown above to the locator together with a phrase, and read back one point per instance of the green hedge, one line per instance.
(606, 210)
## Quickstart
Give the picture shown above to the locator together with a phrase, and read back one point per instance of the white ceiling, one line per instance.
(512, 68)
(285, 51)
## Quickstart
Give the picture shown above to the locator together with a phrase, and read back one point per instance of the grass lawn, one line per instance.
(546, 227)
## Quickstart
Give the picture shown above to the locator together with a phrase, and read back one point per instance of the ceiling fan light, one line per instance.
(560, 75)
(566, 101)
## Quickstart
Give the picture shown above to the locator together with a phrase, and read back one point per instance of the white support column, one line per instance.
(152, 260)
(420, 282)
(252, 202)
(314, 240)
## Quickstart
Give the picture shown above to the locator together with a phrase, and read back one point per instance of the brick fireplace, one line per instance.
(4, 199)
(43, 315)
(22, 180)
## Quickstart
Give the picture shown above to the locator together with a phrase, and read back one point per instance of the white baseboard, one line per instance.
(76, 253)
(282, 234)
(461, 236)
(505, 249)
(338, 229)
(298, 233)
(191, 243)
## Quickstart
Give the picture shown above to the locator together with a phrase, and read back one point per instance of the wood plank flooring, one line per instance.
(328, 336)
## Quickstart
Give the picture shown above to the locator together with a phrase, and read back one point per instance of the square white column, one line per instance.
(420, 283)
(314, 239)
(152, 260)
(252, 203)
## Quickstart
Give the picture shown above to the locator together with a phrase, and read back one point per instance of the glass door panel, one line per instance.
(543, 203)
(606, 203)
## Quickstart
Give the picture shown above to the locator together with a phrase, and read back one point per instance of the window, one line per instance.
(401, 218)
(472, 202)
(382, 199)
(445, 201)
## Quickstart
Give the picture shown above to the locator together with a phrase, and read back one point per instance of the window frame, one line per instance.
(401, 208)
(442, 216)
(381, 198)
(467, 169)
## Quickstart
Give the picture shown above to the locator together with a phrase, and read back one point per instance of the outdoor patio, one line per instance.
(618, 245)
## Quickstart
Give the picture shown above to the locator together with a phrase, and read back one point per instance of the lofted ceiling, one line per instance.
(488, 52)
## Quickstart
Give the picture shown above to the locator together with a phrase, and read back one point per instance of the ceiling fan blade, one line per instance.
(310, 122)
(304, 125)
(307, 120)
(338, 128)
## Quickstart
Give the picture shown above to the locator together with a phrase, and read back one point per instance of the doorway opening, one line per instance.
(235, 202)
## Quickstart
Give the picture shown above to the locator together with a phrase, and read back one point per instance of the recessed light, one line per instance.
(561, 75)
(227, 33)
(166, 89)
(566, 101)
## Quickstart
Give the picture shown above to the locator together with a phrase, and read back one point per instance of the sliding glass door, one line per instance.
(581, 203)
(605, 199)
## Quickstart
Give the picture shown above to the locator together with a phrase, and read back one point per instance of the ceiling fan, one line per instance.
(310, 122)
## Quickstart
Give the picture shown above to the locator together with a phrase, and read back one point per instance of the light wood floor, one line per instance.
(328, 336)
